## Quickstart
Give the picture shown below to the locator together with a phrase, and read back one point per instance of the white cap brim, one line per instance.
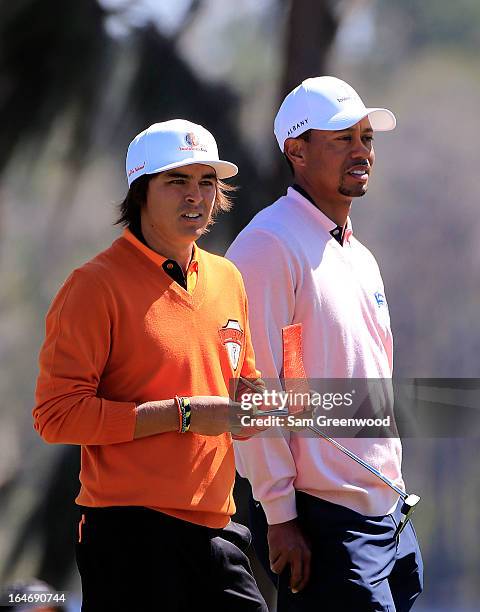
(223, 169)
(381, 120)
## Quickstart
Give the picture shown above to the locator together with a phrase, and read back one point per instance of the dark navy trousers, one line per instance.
(136, 559)
(356, 566)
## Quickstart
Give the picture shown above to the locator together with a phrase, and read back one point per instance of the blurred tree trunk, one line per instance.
(310, 32)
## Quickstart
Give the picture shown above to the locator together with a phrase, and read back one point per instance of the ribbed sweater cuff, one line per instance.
(281, 509)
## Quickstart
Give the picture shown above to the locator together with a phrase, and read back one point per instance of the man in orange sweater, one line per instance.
(141, 345)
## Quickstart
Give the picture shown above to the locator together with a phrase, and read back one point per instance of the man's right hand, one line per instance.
(288, 546)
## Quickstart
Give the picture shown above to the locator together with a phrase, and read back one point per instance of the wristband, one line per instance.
(184, 413)
(180, 414)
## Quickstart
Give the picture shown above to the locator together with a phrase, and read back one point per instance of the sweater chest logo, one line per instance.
(231, 336)
(380, 299)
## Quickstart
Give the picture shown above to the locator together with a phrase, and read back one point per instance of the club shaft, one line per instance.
(357, 459)
(337, 445)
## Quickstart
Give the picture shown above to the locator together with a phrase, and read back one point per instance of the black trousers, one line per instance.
(136, 559)
(357, 565)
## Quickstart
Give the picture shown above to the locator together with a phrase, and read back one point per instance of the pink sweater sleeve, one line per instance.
(266, 459)
(72, 359)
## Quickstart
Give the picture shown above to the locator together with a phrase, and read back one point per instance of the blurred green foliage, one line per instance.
(434, 22)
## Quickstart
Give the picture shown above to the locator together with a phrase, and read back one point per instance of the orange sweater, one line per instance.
(121, 332)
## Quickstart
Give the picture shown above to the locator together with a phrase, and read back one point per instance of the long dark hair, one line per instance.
(130, 208)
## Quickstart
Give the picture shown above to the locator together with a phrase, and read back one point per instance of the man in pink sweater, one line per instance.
(329, 523)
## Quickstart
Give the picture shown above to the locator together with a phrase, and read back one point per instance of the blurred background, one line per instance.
(78, 79)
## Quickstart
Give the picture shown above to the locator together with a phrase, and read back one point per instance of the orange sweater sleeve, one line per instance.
(72, 359)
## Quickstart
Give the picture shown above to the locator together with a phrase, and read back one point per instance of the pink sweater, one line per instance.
(295, 272)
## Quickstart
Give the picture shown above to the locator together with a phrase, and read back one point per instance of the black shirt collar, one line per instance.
(175, 272)
(170, 266)
(337, 232)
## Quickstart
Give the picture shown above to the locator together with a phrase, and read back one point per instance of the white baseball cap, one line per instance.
(172, 144)
(325, 103)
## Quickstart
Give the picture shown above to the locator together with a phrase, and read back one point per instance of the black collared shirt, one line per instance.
(337, 232)
(170, 266)
(173, 270)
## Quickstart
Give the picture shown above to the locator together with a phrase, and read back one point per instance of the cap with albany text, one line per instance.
(325, 103)
(172, 144)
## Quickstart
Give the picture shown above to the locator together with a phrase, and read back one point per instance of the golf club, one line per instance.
(291, 336)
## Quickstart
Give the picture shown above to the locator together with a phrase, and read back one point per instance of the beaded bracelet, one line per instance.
(180, 413)
(184, 413)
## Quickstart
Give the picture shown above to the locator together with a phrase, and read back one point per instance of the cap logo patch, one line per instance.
(193, 143)
(231, 336)
(191, 139)
(297, 126)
